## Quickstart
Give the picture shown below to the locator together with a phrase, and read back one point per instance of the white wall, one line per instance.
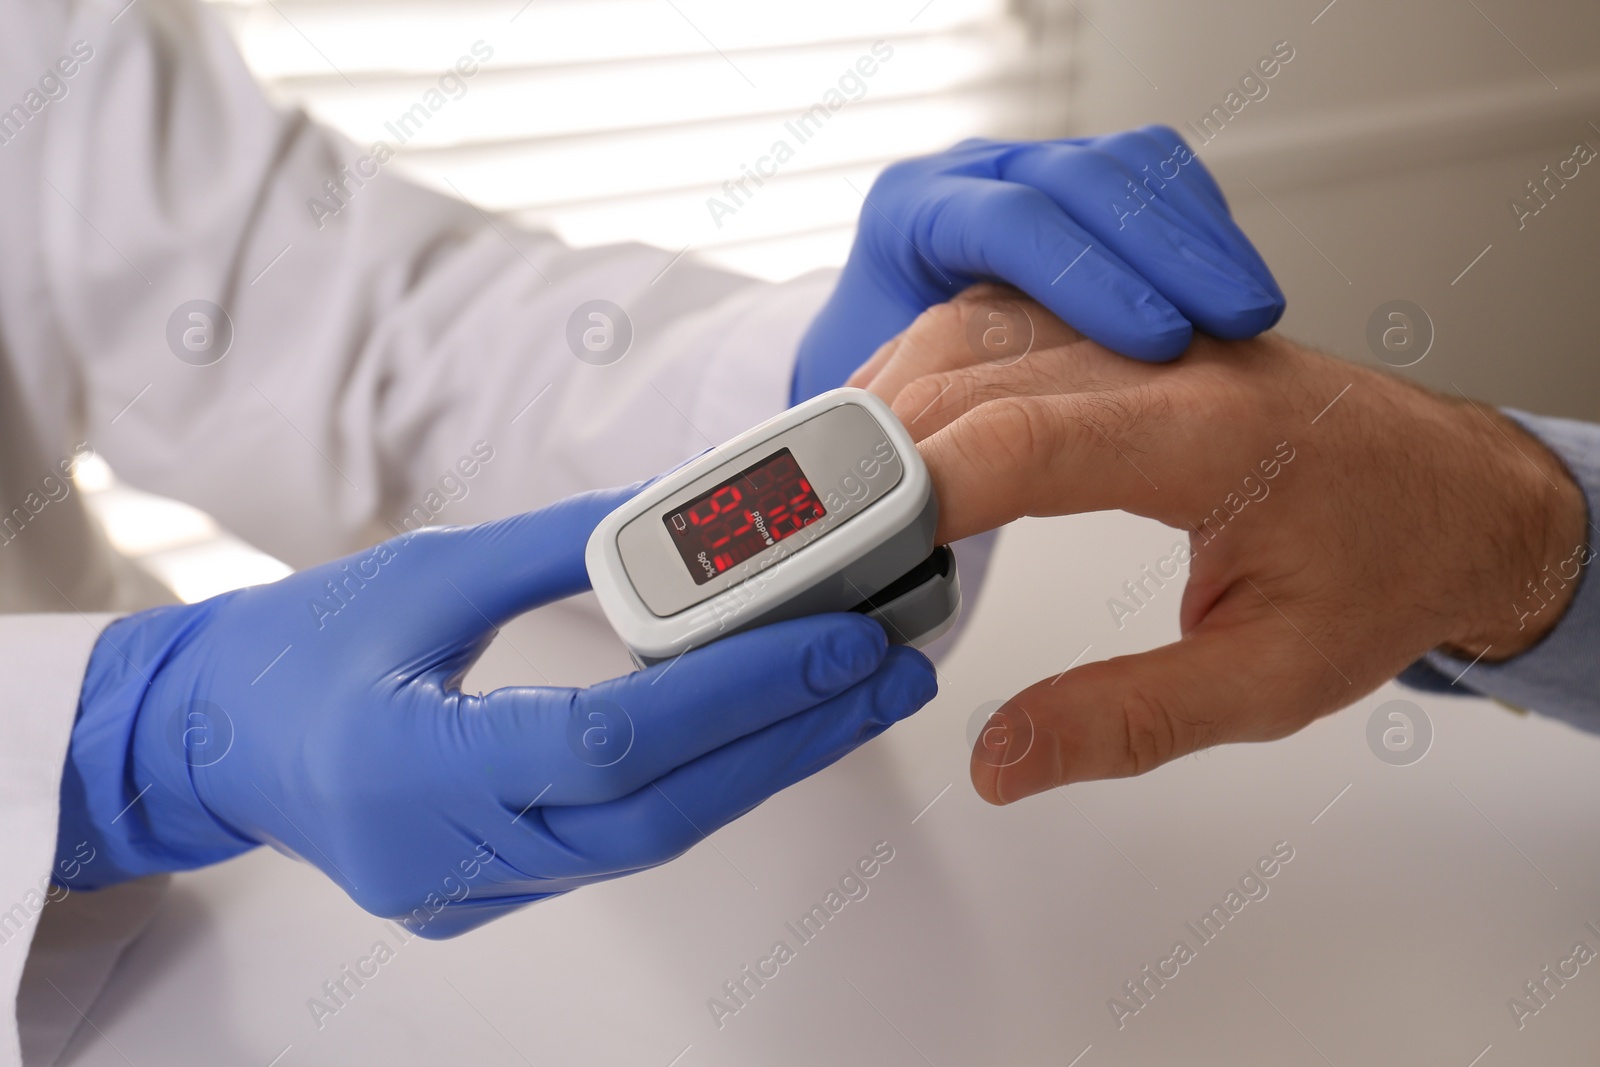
(1394, 140)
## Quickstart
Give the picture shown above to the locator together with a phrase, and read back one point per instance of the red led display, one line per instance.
(756, 508)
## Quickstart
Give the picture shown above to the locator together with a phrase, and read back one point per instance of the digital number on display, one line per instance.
(753, 510)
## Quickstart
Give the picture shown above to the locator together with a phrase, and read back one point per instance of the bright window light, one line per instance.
(181, 546)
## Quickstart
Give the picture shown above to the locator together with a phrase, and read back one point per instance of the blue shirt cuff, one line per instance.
(1559, 676)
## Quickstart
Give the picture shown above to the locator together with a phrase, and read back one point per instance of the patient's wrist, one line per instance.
(1542, 543)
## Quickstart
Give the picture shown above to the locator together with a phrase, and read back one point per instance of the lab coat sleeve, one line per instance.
(43, 658)
(1560, 676)
(389, 355)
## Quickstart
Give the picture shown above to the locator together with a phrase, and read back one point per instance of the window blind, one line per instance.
(652, 120)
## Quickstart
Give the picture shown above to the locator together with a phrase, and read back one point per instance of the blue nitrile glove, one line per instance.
(319, 715)
(1164, 255)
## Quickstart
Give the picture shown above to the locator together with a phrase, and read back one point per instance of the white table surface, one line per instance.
(1414, 908)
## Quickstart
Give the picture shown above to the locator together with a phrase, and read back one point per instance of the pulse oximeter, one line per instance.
(826, 507)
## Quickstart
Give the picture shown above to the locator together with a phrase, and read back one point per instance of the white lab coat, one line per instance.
(369, 356)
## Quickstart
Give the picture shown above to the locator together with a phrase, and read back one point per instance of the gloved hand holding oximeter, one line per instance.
(342, 737)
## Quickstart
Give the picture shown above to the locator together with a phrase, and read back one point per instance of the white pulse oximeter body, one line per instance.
(826, 507)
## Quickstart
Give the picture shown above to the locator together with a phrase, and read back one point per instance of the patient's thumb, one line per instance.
(1128, 715)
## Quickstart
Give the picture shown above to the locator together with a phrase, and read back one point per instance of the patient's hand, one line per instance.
(1341, 522)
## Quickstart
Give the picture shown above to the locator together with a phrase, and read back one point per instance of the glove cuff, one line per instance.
(126, 788)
